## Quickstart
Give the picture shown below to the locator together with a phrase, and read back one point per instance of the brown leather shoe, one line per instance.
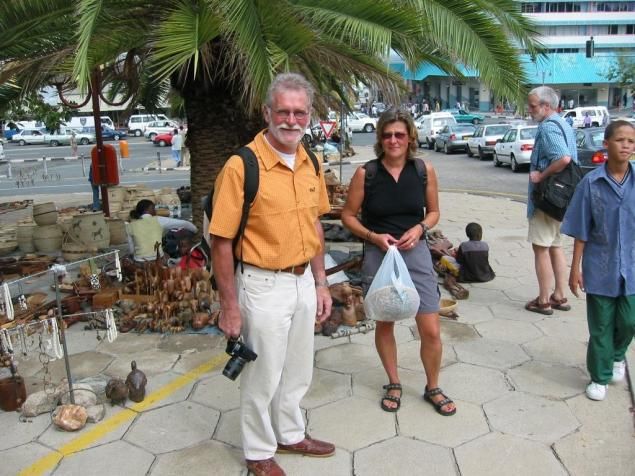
(264, 467)
(309, 447)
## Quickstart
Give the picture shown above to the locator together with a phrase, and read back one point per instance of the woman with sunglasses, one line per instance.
(398, 207)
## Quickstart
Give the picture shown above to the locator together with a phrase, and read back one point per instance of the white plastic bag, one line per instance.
(392, 295)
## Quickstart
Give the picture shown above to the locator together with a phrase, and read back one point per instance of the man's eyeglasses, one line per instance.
(284, 114)
(389, 135)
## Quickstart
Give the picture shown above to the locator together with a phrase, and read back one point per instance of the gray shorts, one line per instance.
(419, 263)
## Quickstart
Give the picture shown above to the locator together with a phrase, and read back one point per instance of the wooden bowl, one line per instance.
(446, 306)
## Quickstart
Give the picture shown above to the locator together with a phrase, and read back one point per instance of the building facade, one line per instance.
(565, 27)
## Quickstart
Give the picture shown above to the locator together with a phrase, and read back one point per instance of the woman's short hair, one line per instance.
(395, 115)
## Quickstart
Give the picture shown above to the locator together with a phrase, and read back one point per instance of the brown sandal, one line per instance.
(559, 304)
(541, 308)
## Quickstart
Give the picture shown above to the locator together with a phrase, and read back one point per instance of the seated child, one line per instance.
(191, 256)
(471, 263)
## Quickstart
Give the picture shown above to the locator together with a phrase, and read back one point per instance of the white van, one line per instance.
(597, 114)
(77, 122)
(428, 126)
(138, 122)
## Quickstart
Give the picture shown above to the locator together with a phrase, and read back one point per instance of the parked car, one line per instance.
(163, 140)
(484, 139)
(461, 115)
(515, 147)
(138, 122)
(107, 133)
(155, 128)
(358, 122)
(453, 137)
(430, 125)
(591, 151)
(597, 114)
(63, 137)
(30, 136)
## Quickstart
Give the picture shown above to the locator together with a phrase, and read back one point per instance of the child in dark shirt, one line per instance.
(473, 257)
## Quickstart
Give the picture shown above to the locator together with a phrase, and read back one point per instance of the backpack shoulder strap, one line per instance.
(370, 169)
(422, 172)
(250, 187)
(314, 159)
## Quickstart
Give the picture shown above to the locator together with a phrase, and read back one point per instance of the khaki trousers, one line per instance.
(278, 316)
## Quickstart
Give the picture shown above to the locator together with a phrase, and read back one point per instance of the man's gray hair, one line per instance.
(546, 95)
(289, 82)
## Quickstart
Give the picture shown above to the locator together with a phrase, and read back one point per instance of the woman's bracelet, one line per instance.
(368, 235)
(424, 227)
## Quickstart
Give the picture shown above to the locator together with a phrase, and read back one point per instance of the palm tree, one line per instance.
(221, 55)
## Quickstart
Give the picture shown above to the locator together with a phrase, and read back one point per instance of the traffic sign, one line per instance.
(328, 127)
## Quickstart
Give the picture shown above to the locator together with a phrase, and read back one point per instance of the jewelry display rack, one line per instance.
(13, 294)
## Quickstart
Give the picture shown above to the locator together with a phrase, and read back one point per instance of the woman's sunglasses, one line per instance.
(389, 135)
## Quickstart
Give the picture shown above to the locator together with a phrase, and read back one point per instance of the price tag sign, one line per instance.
(328, 127)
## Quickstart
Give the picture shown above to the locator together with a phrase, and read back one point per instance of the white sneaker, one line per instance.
(595, 391)
(619, 371)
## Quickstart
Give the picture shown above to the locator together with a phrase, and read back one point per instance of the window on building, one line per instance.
(612, 29)
(531, 7)
(630, 29)
(561, 7)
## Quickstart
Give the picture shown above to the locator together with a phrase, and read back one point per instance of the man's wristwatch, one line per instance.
(321, 283)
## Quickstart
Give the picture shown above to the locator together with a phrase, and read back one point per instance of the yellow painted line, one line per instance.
(104, 427)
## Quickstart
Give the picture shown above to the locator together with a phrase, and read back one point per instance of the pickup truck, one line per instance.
(41, 136)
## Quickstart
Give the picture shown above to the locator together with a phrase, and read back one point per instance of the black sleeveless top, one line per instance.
(394, 207)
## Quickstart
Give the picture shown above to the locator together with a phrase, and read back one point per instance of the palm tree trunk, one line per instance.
(217, 127)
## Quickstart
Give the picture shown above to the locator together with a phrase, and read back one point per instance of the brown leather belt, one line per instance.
(298, 269)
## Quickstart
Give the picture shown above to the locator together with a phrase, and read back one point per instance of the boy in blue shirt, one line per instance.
(600, 218)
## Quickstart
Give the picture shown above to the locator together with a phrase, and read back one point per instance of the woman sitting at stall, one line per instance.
(145, 230)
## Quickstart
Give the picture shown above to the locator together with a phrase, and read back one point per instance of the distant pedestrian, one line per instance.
(604, 241)
(569, 120)
(437, 106)
(177, 144)
(73, 143)
(587, 120)
(554, 148)
(373, 111)
(571, 103)
(1, 151)
(426, 107)
(95, 188)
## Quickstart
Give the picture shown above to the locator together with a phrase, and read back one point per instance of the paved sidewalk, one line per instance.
(518, 380)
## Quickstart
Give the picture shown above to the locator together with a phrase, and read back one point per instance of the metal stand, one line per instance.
(60, 326)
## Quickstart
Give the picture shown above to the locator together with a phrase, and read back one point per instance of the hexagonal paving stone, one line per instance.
(408, 356)
(21, 433)
(209, 457)
(550, 380)
(326, 387)
(570, 326)
(424, 423)
(323, 342)
(217, 392)
(130, 343)
(364, 421)
(490, 353)
(22, 457)
(510, 331)
(402, 334)
(497, 284)
(557, 351)
(473, 384)
(531, 416)
(339, 463)
(173, 427)
(53, 437)
(152, 362)
(487, 296)
(368, 385)
(515, 311)
(79, 340)
(504, 455)
(84, 364)
(520, 293)
(610, 416)
(157, 383)
(185, 343)
(473, 313)
(228, 428)
(401, 455)
(118, 457)
(347, 359)
(193, 360)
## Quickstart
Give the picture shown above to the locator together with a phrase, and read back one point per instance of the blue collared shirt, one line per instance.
(602, 214)
(550, 145)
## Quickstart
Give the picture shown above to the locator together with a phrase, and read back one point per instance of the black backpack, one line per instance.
(252, 177)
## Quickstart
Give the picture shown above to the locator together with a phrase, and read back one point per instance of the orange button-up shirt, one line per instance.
(280, 231)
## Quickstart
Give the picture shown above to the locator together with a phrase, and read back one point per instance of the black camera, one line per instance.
(240, 355)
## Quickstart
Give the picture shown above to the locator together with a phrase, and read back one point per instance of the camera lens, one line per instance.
(234, 367)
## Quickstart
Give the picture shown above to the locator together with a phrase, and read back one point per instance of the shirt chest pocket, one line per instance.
(599, 231)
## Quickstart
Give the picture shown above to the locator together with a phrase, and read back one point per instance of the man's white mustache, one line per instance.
(294, 128)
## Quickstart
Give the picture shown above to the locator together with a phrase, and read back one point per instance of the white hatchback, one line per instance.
(155, 128)
(515, 147)
(483, 141)
(360, 122)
